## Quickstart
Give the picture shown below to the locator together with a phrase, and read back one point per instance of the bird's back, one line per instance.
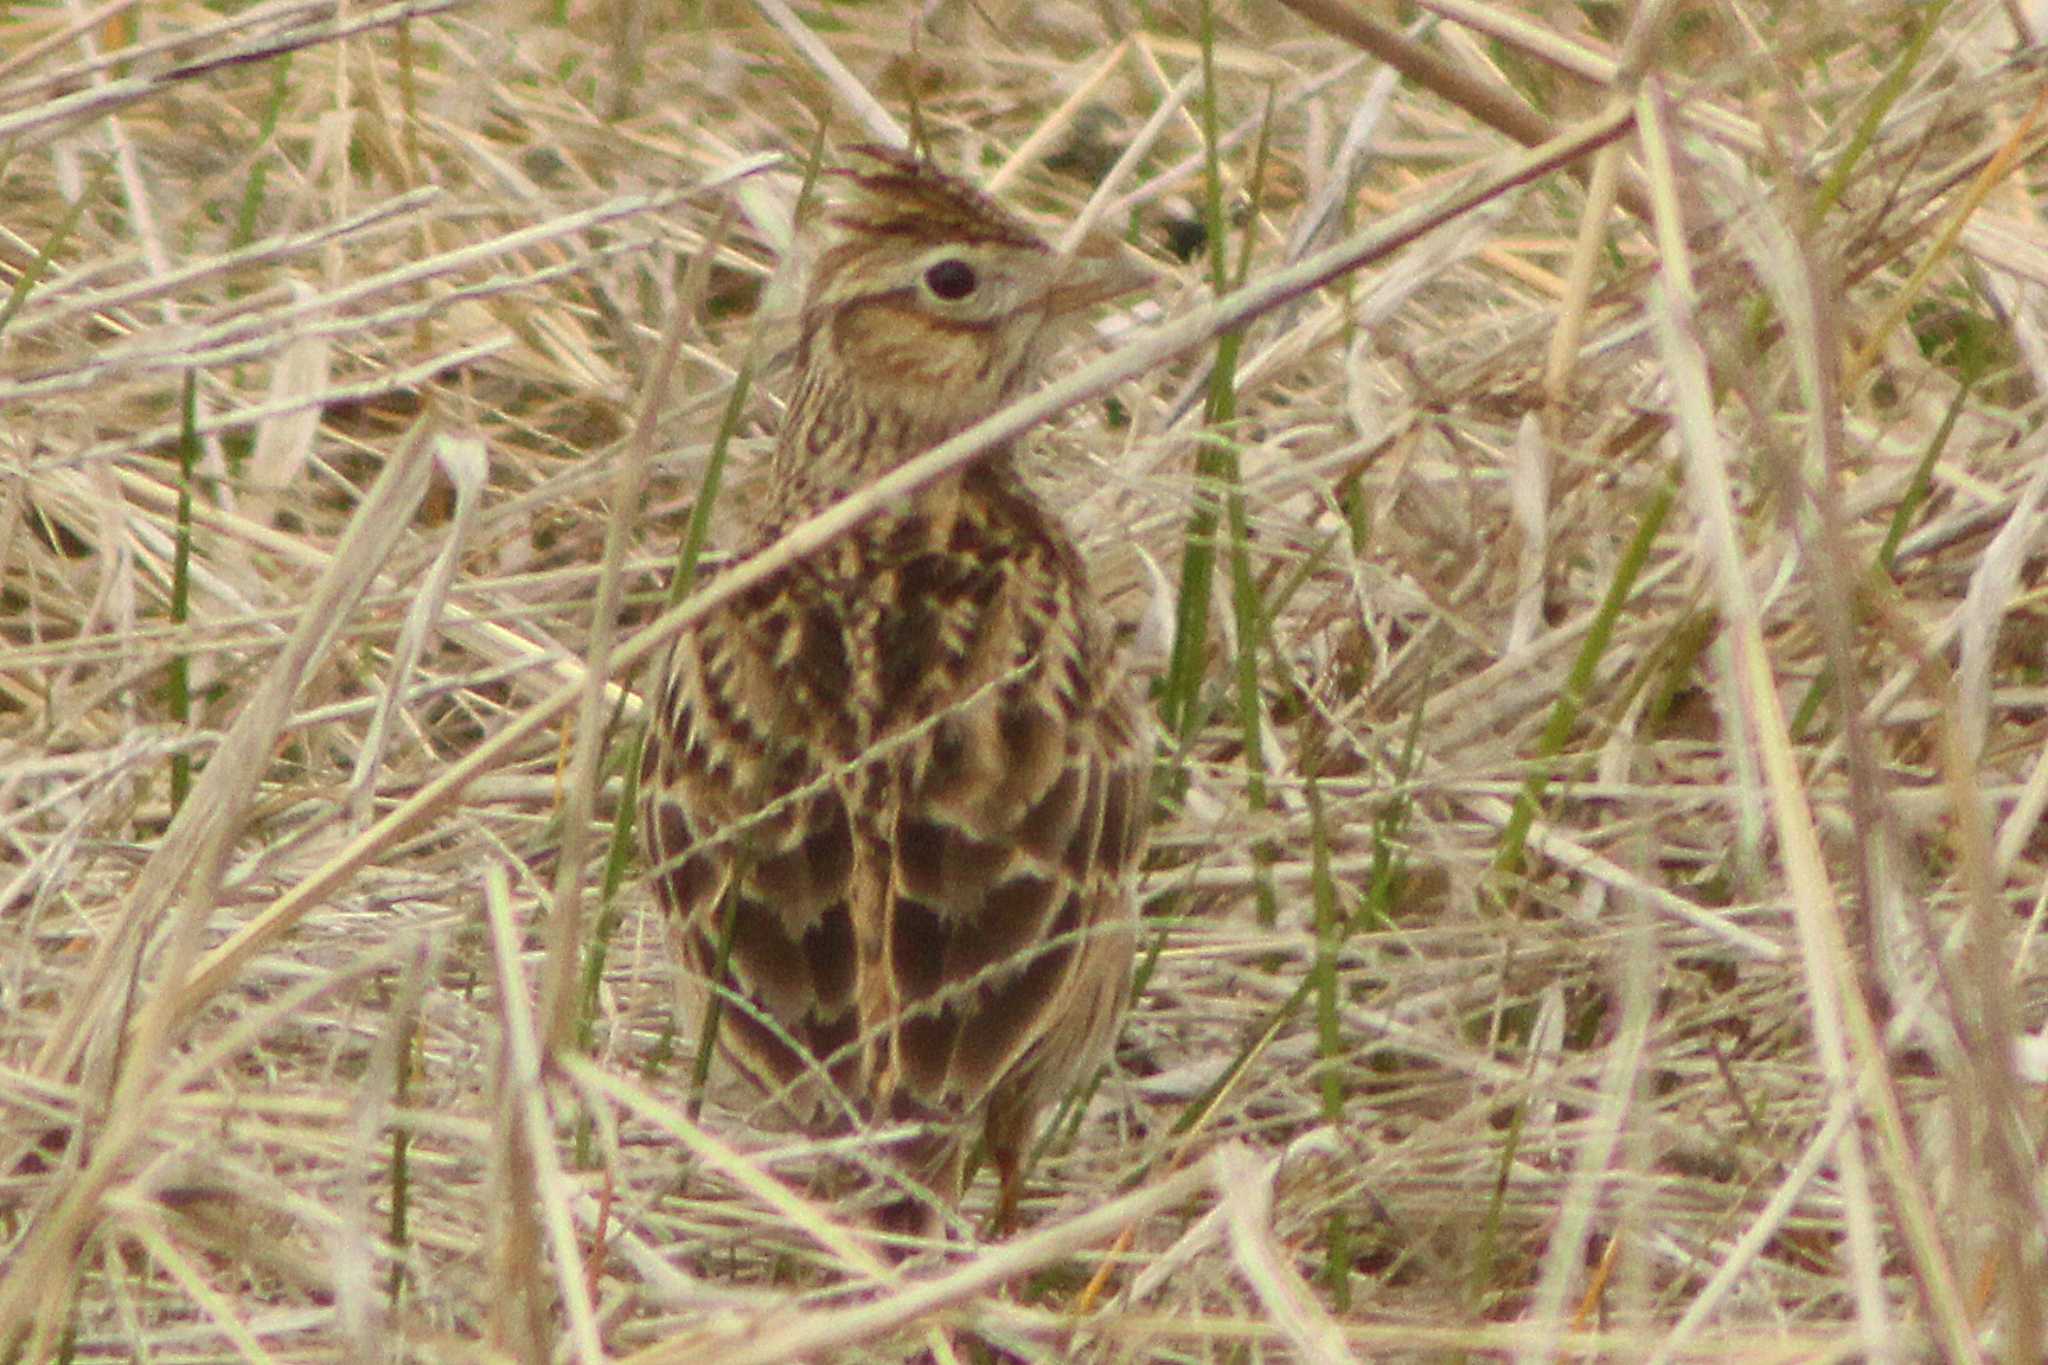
(912, 761)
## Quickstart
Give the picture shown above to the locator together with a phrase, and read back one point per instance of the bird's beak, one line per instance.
(1100, 270)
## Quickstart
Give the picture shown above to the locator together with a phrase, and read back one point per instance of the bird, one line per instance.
(894, 796)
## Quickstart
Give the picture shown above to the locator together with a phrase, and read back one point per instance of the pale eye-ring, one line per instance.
(951, 279)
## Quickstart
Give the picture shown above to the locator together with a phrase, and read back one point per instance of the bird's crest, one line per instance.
(890, 193)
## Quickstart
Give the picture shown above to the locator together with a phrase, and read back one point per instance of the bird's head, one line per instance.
(925, 313)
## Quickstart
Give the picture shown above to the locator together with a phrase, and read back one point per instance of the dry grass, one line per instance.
(1599, 872)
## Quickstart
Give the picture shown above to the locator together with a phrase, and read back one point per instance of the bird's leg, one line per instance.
(1010, 1173)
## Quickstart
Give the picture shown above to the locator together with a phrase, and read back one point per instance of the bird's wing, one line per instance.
(745, 828)
(1015, 840)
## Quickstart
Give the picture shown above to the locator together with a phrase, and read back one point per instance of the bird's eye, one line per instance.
(951, 279)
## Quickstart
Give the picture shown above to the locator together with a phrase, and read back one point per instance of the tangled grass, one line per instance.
(1579, 490)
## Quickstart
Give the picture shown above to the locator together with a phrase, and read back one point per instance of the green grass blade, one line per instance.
(178, 683)
(1571, 701)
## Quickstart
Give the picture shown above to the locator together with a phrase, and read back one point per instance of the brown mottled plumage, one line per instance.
(910, 768)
